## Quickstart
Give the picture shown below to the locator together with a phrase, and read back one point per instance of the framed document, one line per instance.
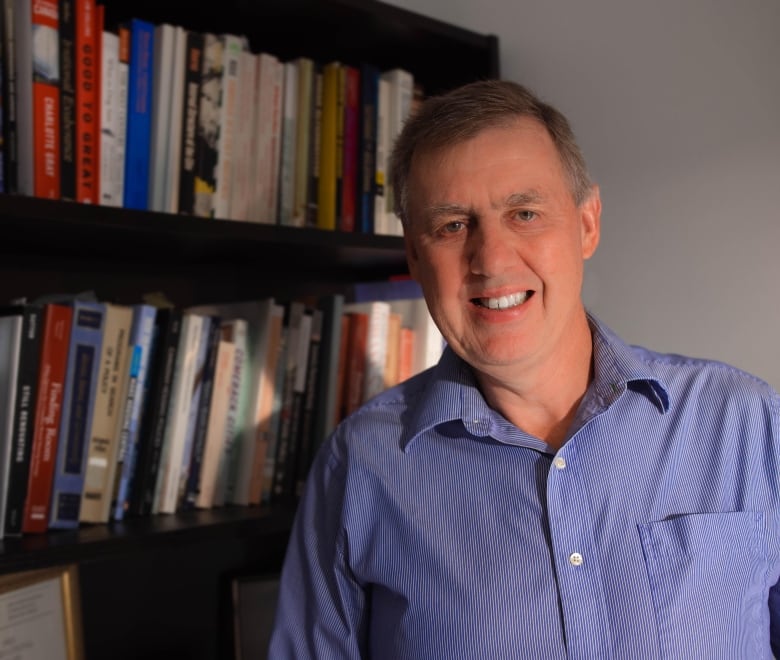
(40, 615)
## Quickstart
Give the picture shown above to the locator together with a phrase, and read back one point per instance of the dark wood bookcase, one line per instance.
(158, 587)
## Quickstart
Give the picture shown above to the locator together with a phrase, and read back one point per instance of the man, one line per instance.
(545, 491)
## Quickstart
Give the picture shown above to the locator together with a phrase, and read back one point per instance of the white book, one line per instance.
(268, 109)
(399, 107)
(288, 145)
(167, 484)
(173, 151)
(162, 82)
(110, 189)
(228, 109)
(216, 433)
(122, 89)
(246, 137)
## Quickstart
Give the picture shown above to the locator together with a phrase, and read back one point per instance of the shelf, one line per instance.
(140, 535)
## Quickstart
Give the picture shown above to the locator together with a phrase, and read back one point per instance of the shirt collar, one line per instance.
(451, 391)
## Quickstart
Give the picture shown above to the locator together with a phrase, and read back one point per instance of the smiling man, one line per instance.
(546, 490)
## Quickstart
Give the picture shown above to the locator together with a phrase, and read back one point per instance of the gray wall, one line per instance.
(676, 104)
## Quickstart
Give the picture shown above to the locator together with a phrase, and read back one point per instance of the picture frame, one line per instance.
(40, 614)
(254, 598)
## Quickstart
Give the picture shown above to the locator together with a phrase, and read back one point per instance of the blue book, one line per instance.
(139, 115)
(141, 343)
(366, 188)
(81, 374)
(395, 289)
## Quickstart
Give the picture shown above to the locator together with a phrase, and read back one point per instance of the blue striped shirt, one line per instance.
(431, 527)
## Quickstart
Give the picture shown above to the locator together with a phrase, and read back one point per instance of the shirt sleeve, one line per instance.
(774, 619)
(320, 611)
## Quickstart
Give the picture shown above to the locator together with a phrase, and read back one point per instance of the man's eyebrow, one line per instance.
(435, 210)
(523, 198)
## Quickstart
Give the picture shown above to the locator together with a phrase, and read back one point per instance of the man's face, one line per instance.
(497, 243)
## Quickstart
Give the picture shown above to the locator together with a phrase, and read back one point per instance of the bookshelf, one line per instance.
(156, 587)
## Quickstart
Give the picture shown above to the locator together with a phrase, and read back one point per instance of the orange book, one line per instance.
(405, 354)
(87, 103)
(46, 100)
(48, 408)
(392, 357)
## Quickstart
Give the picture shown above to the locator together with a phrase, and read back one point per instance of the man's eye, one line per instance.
(525, 216)
(453, 227)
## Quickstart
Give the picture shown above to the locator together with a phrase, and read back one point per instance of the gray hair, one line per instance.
(461, 114)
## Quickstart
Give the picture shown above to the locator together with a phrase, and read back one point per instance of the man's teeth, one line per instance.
(505, 302)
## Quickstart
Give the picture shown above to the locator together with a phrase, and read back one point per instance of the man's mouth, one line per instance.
(503, 302)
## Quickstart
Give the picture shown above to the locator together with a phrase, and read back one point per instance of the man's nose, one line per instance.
(491, 249)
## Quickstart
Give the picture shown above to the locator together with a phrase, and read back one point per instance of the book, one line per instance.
(153, 421)
(107, 416)
(367, 130)
(232, 46)
(26, 387)
(87, 153)
(164, 78)
(401, 94)
(23, 54)
(182, 409)
(10, 349)
(262, 484)
(139, 115)
(33, 499)
(315, 140)
(207, 133)
(46, 98)
(383, 147)
(84, 350)
(288, 144)
(67, 54)
(110, 188)
(188, 152)
(245, 139)
(139, 349)
(8, 92)
(120, 105)
(235, 331)
(203, 371)
(328, 147)
(189, 479)
(217, 430)
(378, 312)
(303, 139)
(347, 220)
(268, 109)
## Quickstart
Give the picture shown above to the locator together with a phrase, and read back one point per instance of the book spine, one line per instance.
(87, 103)
(141, 347)
(207, 136)
(46, 99)
(109, 120)
(369, 91)
(78, 404)
(351, 144)
(305, 441)
(189, 142)
(302, 141)
(172, 155)
(139, 113)
(24, 95)
(289, 132)
(67, 51)
(55, 340)
(154, 419)
(315, 140)
(9, 96)
(107, 416)
(24, 418)
(328, 164)
(122, 87)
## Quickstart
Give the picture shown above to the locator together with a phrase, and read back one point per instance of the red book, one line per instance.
(46, 100)
(48, 407)
(351, 146)
(356, 360)
(87, 103)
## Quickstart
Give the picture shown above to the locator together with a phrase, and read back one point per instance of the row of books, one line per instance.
(111, 410)
(193, 123)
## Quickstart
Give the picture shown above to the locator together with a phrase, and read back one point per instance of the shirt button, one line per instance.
(559, 462)
(575, 559)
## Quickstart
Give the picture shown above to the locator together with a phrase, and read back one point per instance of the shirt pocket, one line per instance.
(709, 578)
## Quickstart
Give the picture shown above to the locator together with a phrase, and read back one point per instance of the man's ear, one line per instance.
(590, 222)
